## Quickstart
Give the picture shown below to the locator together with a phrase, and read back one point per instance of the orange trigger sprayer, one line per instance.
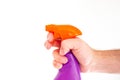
(70, 70)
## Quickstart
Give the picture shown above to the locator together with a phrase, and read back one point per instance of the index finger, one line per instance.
(50, 37)
(52, 41)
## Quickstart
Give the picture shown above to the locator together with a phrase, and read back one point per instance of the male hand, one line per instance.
(80, 49)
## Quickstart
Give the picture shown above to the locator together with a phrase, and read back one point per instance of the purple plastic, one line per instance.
(70, 70)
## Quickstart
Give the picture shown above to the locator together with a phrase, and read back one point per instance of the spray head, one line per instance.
(63, 31)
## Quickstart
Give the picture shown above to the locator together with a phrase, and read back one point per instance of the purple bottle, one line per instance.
(70, 70)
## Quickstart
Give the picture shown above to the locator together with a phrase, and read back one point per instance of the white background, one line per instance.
(22, 34)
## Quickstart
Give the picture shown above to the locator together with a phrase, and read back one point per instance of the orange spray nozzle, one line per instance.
(63, 31)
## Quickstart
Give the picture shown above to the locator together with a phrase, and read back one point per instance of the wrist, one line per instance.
(106, 61)
(89, 67)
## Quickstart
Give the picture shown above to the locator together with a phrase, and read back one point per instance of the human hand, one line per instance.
(80, 49)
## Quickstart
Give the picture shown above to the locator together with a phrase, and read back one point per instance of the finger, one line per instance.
(56, 43)
(69, 44)
(50, 37)
(57, 64)
(65, 47)
(48, 45)
(59, 58)
(50, 40)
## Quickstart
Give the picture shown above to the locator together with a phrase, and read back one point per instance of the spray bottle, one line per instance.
(70, 70)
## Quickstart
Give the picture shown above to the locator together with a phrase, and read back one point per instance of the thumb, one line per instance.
(66, 46)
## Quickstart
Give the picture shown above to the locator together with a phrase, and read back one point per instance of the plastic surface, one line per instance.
(63, 31)
(70, 70)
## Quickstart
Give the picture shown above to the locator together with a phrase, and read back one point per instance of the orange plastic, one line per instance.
(63, 31)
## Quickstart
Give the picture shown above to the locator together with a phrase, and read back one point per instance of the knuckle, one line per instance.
(57, 64)
(63, 43)
(56, 55)
(55, 52)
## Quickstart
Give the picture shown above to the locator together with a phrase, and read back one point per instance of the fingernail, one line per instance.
(59, 66)
(50, 38)
(63, 52)
(48, 46)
